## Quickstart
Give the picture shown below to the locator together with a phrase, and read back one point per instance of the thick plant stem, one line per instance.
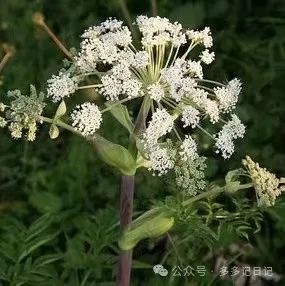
(126, 212)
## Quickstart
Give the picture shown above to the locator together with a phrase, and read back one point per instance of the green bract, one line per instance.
(114, 155)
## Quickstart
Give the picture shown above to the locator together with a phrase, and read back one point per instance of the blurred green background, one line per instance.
(76, 196)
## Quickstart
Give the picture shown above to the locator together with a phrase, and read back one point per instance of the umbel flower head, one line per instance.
(23, 114)
(267, 186)
(161, 73)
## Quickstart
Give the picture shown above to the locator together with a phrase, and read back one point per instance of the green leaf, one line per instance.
(120, 112)
(47, 259)
(115, 155)
(35, 244)
(38, 226)
(45, 202)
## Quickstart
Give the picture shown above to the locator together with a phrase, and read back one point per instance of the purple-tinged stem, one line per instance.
(126, 213)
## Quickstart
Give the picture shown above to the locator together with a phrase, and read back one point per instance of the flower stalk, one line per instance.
(126, 203)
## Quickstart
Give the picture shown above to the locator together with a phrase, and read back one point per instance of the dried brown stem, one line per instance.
(153, 7)
(9, 53)
(40, 21)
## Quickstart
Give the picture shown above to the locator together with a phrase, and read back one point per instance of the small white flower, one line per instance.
(195, 69)
(111, 87)
(187, 85)
(207, 57)
(108, 53)
(108, 25)
(121, 72)
(87, 58)
(141, 60)
(172, 75)
(212, 109)
(121, 37)
(60, 86)
(190, 116)
(2, 106)
(156, 91)
(178, 37)
(189, 149)
(3, 122)
(111, 25)
(86, 118)
(132, 88)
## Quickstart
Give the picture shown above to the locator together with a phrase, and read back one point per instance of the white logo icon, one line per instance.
(159, 269)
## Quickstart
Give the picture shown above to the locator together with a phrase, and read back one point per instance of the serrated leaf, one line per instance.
(120, 112)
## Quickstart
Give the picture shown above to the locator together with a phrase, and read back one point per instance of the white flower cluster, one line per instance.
(160, 158)
(189, 149)
(190, 175)
(190, 117)
(86, 118)
(207, 57)
(103, 44)
(159, 31)
(160, 124)
(61, 86)
(225, 139)
(163, 73)
(120, 82)
(203, 37)
(156, 91)
(228, 95)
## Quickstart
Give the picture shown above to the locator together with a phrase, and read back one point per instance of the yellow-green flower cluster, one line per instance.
(267, 186)
(23, 114)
